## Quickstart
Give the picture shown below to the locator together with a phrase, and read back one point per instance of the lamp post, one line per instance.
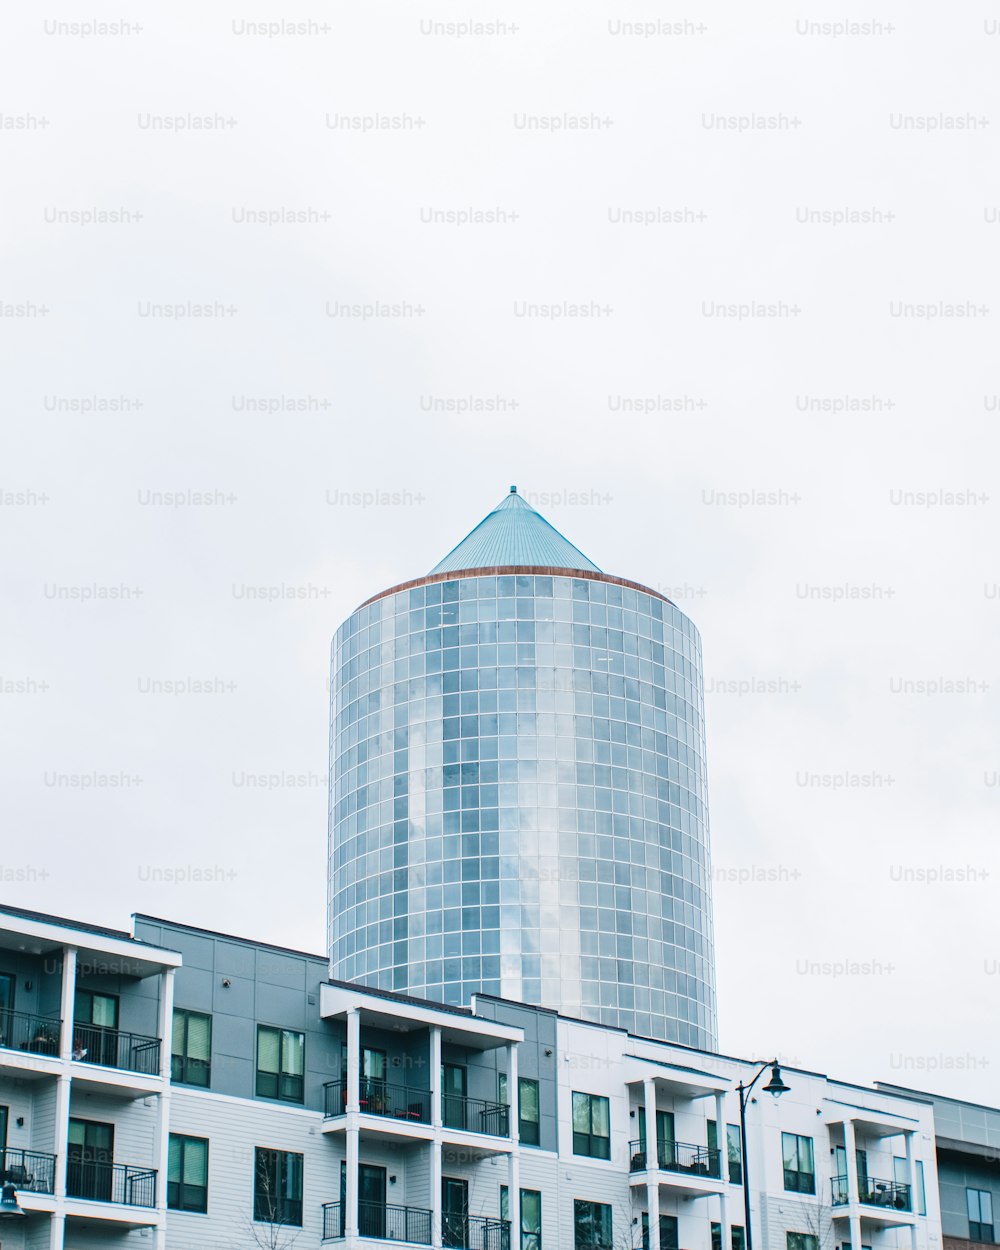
(775, 1087)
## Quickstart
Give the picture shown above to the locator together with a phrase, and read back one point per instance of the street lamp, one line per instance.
(10, 1208)
(775, 1087)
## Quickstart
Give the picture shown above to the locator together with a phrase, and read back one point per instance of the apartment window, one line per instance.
(980, 1205)
(669, 1234)
(737, 1240)
(277, 1187)
(800, 1170)
(734, 1153)
(901, 1175)
(191, 1048)
(591, 1126)
(801, 1241)
(591, 1225)
(280, 1063)
(528, 1118)
(531, 1216)
(187, 1174)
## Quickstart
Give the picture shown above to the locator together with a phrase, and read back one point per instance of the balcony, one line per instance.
(29, 1034)
(475, 1115)
(474, 1232)
(111, 1048)
(382, 1222)
(118, 1183)
(873, 1192)
(676, 1156)
(396, 1102)
(28, 1170)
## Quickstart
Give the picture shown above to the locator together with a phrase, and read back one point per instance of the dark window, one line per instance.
(528, 1119)
(800, 1171)
(187, 1173)
(591, 1126)
(591, 1225)
(531, 1216)
(980, 1207)
(737, 1239)
(95, 1027)
(669, 1236)
(280, 1063)
(191, 1048)
(277, 1187)
(801, 1241)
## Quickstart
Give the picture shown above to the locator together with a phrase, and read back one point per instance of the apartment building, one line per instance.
(178, 1088)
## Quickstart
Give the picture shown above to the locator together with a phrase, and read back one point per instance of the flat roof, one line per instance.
(228, 937)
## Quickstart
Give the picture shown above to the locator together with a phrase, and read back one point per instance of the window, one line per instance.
(277, 1187)
(980, 1205)
(591, 1223)
(191, 1048)
(95, 1028)
(187, 1174)
(737, 1240)
(800, 1172)
(280, 1063)
(900, 1174)
(802, 1241)
(531, 1216)
(734, 1152)
(669, 1235)
(528, 1118)
(591, 1126)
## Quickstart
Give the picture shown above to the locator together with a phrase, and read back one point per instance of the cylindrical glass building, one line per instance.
(518, 788)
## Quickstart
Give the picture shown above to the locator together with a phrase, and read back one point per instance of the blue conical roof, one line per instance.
(514, 534)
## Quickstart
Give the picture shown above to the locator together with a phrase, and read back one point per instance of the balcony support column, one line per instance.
(911, 1180)
(435, 1181)
(353, 1061)
(853, 1197)
(67, 999)
(513, 1093)
(436, 1121)
(652, 1147)
(514, 1198)
(722, 1141)
(161, 1150)
(57, 1230)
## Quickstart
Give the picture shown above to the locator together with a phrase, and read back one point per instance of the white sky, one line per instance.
(632, 489)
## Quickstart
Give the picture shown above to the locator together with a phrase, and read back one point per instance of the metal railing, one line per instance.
(676, 1156)
(120, 1183)
(474, 1232)
(383, 1222)
(111, 1048)
(475, 1115)
(397, 1102)
(333, 1220)
(20, 1030)
(28, 1170)
(873, 1192)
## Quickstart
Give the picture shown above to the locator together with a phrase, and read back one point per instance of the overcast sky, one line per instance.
(812, 479)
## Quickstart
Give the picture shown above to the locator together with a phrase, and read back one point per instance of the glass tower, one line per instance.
(518, 798)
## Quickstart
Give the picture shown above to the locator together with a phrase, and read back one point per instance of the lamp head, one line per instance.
(10, 1209)
(776, 1086)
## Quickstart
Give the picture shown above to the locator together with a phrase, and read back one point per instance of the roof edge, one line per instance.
(509, 570)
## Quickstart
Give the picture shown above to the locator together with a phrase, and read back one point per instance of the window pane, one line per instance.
(600, 1116)
(581, 1113)
(195, 1162)
(199, 1038)
(174, 1159)
(268, 1049)
(529, 1099)
(293, 1057)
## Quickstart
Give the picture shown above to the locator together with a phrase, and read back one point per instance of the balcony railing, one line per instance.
(676, 1156)
(397, 1102)
(20, 1030)
(119, 1183)
(378, 1220)
(873, 1192)
(474, 1115)
(474, 1232)
(28, 1170)
(111, 1048)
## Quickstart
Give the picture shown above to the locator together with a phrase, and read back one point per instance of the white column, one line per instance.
(722, 1138)
(66, 1002)
(353, 1060)
(64, 1084)
(57, 1231)
(353, 1129)
(513, 1092)
(911, 1179)
(161, 1153)
(514, 1199)
(851, 1151)
(435, 1181)
(652, 1164)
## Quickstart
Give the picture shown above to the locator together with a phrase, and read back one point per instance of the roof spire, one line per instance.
(514, 534)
